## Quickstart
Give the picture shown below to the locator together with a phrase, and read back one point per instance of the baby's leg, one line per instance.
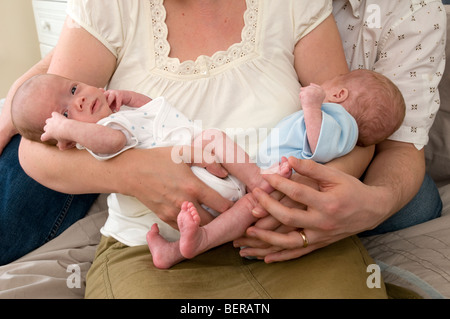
(165, 254)
(195, 239)
(282, 168)
(226, 227)
(236, 161)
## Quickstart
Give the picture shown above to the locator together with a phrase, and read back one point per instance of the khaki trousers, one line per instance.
(336, 271)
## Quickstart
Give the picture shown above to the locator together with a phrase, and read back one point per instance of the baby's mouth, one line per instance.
(94, 106)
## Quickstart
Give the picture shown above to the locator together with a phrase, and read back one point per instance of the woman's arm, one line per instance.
(398, 169)
(80, 56)
(149, 175)
(319, 55)
(162, 187)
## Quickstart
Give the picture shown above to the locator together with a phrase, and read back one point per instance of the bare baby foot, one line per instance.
(193, 239)
(283, 169)
(165, 254)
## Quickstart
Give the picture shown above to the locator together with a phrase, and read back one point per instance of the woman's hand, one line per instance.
(163, 185)
(339, 207)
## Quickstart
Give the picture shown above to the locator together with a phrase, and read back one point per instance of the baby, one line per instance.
(373, 101)
(65, 113)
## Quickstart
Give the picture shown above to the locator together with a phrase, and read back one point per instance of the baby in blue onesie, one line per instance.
(319, 132)
(361, 107)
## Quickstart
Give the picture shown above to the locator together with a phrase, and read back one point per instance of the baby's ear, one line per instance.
(339, 96)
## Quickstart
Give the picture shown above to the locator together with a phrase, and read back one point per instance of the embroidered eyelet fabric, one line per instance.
(204, 63)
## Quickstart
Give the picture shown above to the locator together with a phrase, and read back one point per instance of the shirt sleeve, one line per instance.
(338, 135)
(412, 55)
(309, 14)
(101, 18)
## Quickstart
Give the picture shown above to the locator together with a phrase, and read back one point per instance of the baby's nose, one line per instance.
(79, 102)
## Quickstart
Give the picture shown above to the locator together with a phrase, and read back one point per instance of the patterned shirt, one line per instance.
(405, 41)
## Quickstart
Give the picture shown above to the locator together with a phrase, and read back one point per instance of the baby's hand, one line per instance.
(54, 129)
(114, 99)
(312, 95)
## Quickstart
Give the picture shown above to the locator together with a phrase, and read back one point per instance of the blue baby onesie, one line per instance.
(338, 136)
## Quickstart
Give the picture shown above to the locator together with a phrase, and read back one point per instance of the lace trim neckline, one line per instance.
(203, 65)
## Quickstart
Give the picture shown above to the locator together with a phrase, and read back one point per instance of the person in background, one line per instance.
(405, 41)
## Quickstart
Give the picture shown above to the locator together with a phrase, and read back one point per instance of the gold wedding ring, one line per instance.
(305, 239)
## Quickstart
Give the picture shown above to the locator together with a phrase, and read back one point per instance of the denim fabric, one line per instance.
(31, 214)
(426, 205)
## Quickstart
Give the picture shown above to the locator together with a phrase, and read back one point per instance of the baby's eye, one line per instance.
(73, 90)
(66, 113)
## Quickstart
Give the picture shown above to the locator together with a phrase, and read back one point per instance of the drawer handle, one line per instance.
(46, 26)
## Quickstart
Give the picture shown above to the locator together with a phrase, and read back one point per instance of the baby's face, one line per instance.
(75, 100)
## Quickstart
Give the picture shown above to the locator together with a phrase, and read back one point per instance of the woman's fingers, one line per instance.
(290, 240)
(282, 246)
(294, 217)
(299, 192)
(249, 242)
(269, 222)
(284, 255)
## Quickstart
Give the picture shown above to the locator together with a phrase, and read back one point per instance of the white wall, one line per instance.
(19, 46)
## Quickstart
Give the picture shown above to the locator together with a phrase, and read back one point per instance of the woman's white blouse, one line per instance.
(244, 91)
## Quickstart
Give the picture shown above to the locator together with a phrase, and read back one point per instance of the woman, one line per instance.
(250, 58)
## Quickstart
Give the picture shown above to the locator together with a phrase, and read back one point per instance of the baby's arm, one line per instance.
(221, 155)
(117, 98)
(95, 137)
(312, 98)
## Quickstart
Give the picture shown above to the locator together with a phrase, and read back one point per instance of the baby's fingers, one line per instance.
(45, 136)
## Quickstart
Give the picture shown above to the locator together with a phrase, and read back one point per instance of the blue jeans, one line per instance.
(426, 205)
(31, 214)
